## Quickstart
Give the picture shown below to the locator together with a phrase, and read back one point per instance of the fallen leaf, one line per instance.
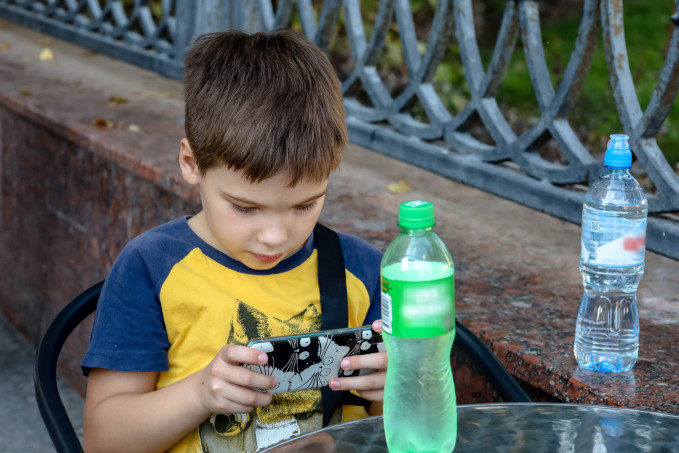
(133, 128)
(46, 55)
(118, 100)
(25, 92)
(100, 122)
(46, 42)
(398, 187)
(5, 46)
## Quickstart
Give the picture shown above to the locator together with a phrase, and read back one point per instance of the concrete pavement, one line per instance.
(21, 427)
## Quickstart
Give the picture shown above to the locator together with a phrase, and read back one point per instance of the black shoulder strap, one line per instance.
(334, 301)
(331, 279)
(332, 284)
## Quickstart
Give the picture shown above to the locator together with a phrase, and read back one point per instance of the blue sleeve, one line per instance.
(129, 331)
(363, 260)
(375, 310)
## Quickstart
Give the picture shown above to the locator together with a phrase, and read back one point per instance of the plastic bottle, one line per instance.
(612, 264)
(418, 318)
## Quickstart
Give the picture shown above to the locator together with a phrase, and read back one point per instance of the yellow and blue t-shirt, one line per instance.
(171, 301)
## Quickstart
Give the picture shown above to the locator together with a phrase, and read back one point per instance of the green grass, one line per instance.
(595, 116)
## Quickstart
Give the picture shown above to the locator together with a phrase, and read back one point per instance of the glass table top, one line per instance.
(517, 427)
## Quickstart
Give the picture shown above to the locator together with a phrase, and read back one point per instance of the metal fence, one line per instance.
(154, 34)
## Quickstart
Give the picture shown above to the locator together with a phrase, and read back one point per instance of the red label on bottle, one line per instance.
(632, 244)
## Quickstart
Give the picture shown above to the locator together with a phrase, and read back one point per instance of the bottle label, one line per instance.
(418, 309)
(612, 241)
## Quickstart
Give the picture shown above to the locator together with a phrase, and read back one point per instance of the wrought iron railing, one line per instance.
(152, 34)
(510, 167)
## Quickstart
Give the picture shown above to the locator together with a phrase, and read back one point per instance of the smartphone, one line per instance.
(308, 361)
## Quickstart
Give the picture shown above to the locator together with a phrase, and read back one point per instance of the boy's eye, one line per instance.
(244, 209)
(305, 207)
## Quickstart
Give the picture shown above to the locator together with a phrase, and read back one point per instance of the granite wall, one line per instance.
(66, 213)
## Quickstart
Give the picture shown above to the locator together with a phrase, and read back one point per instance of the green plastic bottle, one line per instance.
(418, 318)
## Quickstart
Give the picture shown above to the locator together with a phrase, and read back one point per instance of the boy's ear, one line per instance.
(187, 163)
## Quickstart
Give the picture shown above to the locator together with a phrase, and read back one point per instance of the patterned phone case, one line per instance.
(309, 361)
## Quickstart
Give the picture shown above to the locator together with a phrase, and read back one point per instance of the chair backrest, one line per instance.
(52, 409)
(488, 364)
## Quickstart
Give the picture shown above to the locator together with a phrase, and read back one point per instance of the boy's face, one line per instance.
(258, 224)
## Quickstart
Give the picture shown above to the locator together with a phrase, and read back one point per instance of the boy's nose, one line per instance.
(273, 234)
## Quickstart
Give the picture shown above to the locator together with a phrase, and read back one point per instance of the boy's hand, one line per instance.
(226, 386)
(369, 386)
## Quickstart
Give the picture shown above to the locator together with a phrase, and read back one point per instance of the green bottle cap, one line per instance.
(416, 214)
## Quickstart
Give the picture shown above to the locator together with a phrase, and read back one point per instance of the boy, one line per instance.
(264, 130)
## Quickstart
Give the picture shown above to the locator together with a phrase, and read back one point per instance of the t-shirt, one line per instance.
(171, 301)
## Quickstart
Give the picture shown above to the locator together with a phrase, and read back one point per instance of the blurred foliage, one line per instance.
(155, 6)
(594, 117)
(647, 31)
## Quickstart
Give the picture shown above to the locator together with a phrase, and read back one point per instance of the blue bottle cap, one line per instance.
(618, 154)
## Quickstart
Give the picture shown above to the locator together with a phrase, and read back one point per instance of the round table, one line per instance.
(516, 427)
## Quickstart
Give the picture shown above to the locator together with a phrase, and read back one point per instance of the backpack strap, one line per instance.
(332, 285)
(334, 300)
(331, 279)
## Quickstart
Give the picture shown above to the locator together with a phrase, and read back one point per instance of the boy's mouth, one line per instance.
(267, 259)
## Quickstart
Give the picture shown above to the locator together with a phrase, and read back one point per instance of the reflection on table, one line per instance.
(516, 427)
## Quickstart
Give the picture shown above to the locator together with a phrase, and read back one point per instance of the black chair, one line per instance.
(59, 424)
(51, 407)
(497, 375)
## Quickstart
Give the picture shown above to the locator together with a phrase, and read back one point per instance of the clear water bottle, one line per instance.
(418, 318)
(611, 263)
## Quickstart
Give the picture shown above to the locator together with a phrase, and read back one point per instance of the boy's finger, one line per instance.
(236, 408)
(373, 381)
(375, 361)
(247, 397)
(377, 325)
(254, 380)
(242, 354)
(372, 395)
(244, 377)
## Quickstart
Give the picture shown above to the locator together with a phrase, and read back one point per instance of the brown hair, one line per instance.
(262, 104)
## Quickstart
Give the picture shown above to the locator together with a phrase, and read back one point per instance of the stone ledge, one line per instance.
(73, 193)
